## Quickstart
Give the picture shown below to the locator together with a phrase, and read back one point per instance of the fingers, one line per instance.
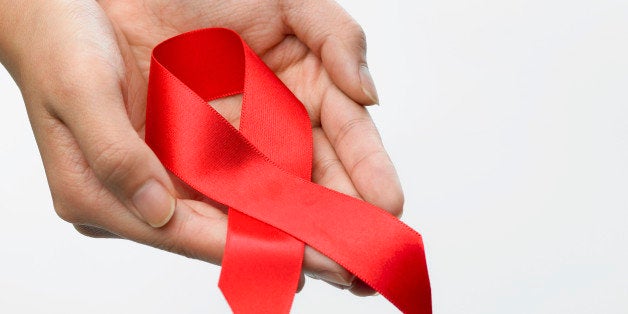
(338, 40)
(92, 108)
(328, 170)
(357, 144)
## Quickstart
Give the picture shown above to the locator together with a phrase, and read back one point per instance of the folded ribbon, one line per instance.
(262, 172)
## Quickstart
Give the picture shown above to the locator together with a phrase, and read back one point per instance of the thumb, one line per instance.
(339, 41)
(119, 158)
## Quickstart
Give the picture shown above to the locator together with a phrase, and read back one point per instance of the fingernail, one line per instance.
(153, 203)
(368, 86)
(336, 278)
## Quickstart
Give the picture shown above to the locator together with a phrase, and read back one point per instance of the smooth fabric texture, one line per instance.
(262, 172)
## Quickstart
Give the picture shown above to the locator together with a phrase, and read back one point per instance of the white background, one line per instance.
(508, 122)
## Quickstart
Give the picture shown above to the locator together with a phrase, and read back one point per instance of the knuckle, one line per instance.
(65, 211)
(327, 167)
(393, 199)
(357, 34)
(396, 204)
(349, 126)
(70, 191)
(114, 163)
(174, 246)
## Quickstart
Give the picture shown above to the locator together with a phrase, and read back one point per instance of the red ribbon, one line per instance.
(262, 172)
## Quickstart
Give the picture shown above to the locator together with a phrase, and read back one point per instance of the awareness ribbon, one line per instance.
(262, 172)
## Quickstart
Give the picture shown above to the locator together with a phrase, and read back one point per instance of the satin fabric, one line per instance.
(262, 172)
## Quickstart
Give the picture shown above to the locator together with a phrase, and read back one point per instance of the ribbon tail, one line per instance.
(261, 266)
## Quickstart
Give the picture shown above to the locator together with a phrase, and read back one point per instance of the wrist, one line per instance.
(17, 20)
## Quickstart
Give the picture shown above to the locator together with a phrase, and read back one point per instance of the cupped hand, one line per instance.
(82, 67)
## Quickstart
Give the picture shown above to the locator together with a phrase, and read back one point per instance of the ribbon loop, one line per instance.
(262, 172)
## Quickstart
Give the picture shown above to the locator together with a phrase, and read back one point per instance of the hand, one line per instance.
(82, 68)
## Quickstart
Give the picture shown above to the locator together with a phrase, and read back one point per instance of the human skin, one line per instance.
(82, 68)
